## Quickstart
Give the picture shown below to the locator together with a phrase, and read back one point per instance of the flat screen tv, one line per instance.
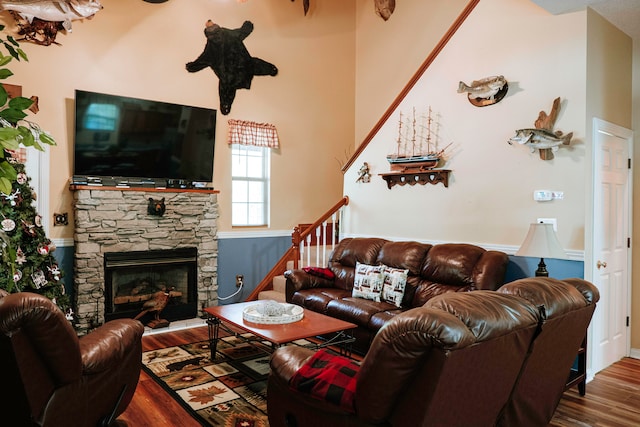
(142, 140)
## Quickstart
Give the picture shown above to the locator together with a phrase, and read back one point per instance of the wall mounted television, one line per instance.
(125, 140)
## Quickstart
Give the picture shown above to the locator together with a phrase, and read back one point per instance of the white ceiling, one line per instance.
(624, 14)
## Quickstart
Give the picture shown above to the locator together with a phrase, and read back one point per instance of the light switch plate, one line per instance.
(542, 195)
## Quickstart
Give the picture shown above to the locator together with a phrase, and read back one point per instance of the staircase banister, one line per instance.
(301, 235)
(293, 253)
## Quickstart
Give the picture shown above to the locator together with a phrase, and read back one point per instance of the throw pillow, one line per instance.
(395, 280)
(325, 273)
(368, 281)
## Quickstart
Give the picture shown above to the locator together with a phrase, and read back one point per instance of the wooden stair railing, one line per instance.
(300, 242)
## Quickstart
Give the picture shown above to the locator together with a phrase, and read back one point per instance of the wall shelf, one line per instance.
(431, 176)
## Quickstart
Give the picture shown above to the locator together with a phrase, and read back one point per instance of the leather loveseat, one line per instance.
(53, 378)
(463, 359)
(431, 270)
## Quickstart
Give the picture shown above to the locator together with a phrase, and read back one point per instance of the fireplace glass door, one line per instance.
(138, 277)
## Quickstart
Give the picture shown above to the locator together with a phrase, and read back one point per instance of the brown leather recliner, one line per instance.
(452, 362)
(568, 307)
(50, 377)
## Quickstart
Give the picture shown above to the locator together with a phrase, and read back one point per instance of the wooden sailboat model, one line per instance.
(420, 154)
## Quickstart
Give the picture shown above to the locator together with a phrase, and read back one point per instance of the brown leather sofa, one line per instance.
(53, 378)
(432, 270)
(477, 359)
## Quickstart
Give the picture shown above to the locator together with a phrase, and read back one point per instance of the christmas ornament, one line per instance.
(17, 276)
(29, 228)
(38, 279)
(8, 224)
(14, 198)
(38, 220)
(55, 273)
(43, 249)
(20, 256)
(22, 178)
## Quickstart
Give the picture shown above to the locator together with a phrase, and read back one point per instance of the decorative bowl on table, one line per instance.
(272, 312)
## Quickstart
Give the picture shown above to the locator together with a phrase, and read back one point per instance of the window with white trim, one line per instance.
(251, 145)
(250, 185)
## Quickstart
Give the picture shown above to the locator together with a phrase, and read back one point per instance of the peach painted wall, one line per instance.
(389, 52)
(489, 199)
(139, 49)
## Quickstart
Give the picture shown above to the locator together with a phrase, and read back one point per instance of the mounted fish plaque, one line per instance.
(543, 138)
(39, 21)
(487, 91)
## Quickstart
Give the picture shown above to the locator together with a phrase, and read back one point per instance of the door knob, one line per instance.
(601, 264)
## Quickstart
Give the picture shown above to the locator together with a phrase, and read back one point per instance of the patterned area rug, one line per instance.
(229, 391)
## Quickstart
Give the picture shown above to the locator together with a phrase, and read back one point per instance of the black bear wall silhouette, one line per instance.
(227, 56)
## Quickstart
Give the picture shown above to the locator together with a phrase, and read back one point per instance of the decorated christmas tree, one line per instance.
(27, 261)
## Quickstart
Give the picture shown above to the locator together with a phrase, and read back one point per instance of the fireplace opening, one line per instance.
(135, 277)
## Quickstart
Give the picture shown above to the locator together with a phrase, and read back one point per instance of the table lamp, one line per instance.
(541, 241)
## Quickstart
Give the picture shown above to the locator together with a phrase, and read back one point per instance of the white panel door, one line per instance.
(611, 254)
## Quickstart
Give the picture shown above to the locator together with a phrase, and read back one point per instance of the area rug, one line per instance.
(228, 391)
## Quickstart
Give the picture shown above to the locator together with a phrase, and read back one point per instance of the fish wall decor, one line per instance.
(487, 91)
(542, 137)
(40, 20)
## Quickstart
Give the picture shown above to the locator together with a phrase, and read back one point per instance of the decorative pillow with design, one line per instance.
(395, 281)
(325, 273)
(368, 281)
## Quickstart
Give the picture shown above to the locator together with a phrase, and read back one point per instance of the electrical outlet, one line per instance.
(61, 219)
(239, 280)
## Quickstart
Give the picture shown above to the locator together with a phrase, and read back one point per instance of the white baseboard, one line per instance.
(635, 353)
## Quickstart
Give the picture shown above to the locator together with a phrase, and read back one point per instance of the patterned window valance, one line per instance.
(252, 133)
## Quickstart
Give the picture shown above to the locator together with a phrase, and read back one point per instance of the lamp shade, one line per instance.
(541, 242)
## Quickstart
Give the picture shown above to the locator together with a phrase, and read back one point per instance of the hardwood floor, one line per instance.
(612, 399)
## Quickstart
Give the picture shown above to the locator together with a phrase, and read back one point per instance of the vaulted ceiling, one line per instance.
(624, 14)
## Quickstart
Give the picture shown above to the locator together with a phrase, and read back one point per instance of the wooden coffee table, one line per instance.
(311, 325)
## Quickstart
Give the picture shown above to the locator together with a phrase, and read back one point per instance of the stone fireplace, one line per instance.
(115, 221)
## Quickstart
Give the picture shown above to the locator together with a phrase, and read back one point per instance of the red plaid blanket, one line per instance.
(329, 378)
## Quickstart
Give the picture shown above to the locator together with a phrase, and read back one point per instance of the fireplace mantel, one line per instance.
(74, 187)
(115, 219)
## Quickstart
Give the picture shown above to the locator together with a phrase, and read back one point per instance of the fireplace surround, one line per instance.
(115, 220)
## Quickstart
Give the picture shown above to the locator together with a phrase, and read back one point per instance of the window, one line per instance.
(251, 145)
(250, 185)
(101, 117)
